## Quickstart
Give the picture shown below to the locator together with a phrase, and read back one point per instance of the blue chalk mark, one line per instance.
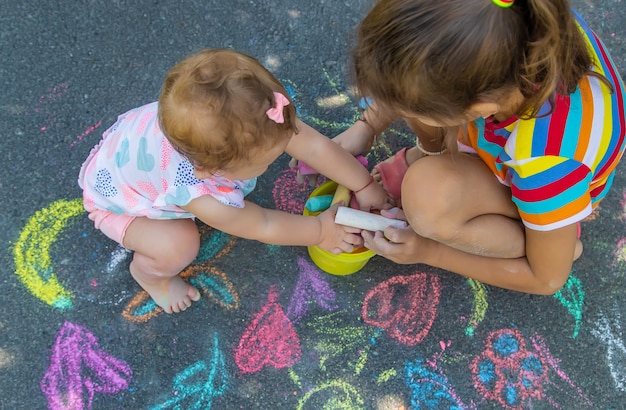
(506, 345)
(430, 389)
(195, 390)
(215, 286)
(146, 308)
(214, 245)
(487, 373)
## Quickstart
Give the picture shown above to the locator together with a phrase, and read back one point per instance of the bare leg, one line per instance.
(456, 200)
(163, 248)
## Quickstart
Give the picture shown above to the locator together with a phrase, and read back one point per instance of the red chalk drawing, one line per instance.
(310, 287)
(289, 196)
(79, 369)
(269, 340)
(404, 306)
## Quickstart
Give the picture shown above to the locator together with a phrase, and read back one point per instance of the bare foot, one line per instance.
(173, 294)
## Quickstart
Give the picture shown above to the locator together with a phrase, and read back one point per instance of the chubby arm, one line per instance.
(544, 270)
(275, 227)
(337, 164)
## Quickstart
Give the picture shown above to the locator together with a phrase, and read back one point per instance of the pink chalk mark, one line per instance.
(79, 369)
(269, 340)
(88, 131)
(404, 306)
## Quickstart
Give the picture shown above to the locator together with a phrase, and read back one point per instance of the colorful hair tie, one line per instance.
(276, 113)
(504, 3)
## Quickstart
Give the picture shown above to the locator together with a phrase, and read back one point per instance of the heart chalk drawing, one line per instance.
(404, 306)
(269, 340)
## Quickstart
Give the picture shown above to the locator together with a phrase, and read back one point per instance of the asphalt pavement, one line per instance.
(271, 331)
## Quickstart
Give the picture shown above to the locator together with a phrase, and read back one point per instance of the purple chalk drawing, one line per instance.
(79, 369)
(310, 287)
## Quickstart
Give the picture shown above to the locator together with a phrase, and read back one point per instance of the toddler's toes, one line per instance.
(193, 294)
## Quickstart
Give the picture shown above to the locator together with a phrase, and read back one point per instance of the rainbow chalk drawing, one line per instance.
(572, 297)
(79, 369)
(269, 340)
(404, 306)
(334, 394)
(311, 287)
(609, 331)
(198, 385)
(31, 253)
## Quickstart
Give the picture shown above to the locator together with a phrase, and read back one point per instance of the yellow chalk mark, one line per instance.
(32, 252)
(480, 306)
(385, 376)
(295, 378)
(340, 394)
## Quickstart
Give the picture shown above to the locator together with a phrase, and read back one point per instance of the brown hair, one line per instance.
(438, 57)
(212, 108)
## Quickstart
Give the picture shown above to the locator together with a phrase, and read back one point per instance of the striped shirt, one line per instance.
(560, 166)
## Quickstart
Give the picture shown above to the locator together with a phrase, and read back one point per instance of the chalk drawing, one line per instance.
(210, 281)
(609, 331)
(404, 306)
(118, 256)
(480, 306)
(311, 287)
(79, 369)
(334, 394)
(336, 337)
(269, 340)
(573, 392)
(289, 196)
(198, 385)
(515, 376)
(45, 100)
(572, 297)
(430, 387)
(88, 131)
(31, 253)
(619, 253)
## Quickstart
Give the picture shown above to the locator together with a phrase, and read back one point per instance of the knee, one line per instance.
(180, 249)
(429, 200)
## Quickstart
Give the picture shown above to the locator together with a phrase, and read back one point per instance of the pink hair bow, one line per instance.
(276, 113)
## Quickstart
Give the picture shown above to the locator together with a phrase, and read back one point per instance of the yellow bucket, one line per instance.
(344, 263)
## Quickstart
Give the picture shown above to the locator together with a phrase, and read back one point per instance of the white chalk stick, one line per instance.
(365, 220)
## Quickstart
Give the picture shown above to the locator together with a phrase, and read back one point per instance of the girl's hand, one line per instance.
(337, 238)
(402, 246)
(374, 196)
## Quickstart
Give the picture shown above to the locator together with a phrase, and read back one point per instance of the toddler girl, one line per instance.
(220, 121)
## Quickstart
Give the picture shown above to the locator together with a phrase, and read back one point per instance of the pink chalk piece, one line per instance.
(79, 369)
(404, 306)
(269, 340)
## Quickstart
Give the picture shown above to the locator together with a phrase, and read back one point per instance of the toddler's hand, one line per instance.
(337, 238)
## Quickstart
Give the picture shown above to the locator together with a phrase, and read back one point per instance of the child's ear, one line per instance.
(485, 109)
